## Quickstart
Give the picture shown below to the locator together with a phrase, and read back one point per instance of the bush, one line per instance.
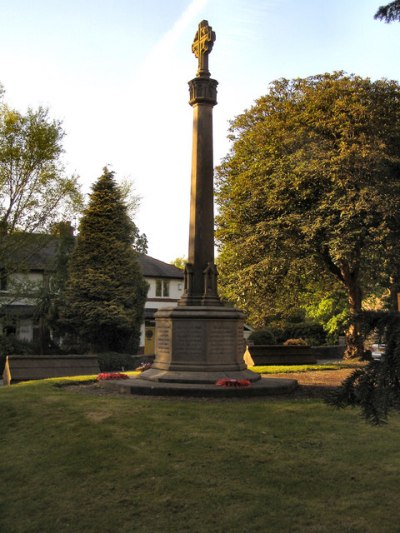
(312, 333)
(113, 362)
(295, 342)
(262, 337)
(9, 345)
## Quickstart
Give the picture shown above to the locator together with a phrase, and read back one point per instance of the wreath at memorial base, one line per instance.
(111, 375)
(231, 382)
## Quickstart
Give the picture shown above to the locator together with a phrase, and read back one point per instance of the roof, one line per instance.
(31, 251)
(154, 268)
(39, 252)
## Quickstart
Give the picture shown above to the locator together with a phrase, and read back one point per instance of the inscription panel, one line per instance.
(188, 343)
(163, 339)
(222, 340)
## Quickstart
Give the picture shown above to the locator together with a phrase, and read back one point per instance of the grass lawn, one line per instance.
(288, 369)
(79, 462)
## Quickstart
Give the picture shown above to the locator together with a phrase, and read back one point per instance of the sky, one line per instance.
(115, 73)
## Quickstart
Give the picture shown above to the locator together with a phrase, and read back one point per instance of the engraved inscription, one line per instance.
(189, 340)
(163, 339)
(222, 340)
(240, 347)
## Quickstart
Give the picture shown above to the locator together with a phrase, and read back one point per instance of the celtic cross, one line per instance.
(202, 46)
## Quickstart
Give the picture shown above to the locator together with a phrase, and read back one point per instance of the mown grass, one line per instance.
(287, 369)
(72, 461)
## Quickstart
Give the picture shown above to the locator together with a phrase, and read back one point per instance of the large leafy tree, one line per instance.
(389, 12)
(106, 291)
(310, 193)
(35, 191)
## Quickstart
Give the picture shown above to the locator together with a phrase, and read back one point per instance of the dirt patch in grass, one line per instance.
(316, 384)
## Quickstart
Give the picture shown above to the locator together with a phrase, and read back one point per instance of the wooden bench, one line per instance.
(30, 367)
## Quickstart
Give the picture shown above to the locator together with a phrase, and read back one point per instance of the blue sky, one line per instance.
(116, 72)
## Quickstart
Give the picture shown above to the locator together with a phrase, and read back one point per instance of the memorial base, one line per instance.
(197, 344)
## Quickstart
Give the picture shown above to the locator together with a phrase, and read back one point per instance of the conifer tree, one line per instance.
(106, 291)
(389, 12)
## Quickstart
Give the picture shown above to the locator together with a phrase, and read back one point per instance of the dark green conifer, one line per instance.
(106, 291)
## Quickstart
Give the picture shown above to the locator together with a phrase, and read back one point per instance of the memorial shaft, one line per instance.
(200, 272)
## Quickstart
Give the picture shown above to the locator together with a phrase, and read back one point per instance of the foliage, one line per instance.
(113, 361)
(375, 388)
(34, 191)
(331, 311)
(390, 12)
(309, 196)
(295, 342)
(9, 345)
(262, 337)
(179, 262)
(313, 333)
(105, 294)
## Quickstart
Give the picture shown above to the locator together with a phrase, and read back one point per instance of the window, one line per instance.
(158, 287)
(165, 288)
(3, 279)
(162, 288)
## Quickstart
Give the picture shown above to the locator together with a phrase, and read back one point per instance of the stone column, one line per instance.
(201, 272)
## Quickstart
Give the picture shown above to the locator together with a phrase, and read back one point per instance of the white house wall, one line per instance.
(156, 302)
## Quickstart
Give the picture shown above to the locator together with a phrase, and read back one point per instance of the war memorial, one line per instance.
(200, 341)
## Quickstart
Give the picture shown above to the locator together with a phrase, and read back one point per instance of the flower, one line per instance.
(111, 375)
(231, 382)
(144, 366)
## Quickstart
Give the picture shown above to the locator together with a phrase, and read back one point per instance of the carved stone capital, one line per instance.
(203, 91)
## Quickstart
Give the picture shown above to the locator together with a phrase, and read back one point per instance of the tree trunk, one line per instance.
(354, 337)
(394, 292)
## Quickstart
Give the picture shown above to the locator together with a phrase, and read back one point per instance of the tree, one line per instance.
(179, 262)
(310, 193)
(389, 12)
(132, 202)
(106, 291)
(375, 388)
(34, 191)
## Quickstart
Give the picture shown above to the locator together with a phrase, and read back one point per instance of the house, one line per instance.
(31, 261)
(37, 261)
(165, 288)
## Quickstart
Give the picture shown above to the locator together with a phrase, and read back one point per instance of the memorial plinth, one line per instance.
(198, 344)
(200, 340)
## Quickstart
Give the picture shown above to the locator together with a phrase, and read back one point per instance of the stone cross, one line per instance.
(202, 46)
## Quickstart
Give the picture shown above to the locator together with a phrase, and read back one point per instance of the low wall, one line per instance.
(30, 367)
(282, 355)
(329, 352)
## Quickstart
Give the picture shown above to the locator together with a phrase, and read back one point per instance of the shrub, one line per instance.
(312, 333)
(262, 337)
(9, 345)
(113, 362)
(295, 342)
